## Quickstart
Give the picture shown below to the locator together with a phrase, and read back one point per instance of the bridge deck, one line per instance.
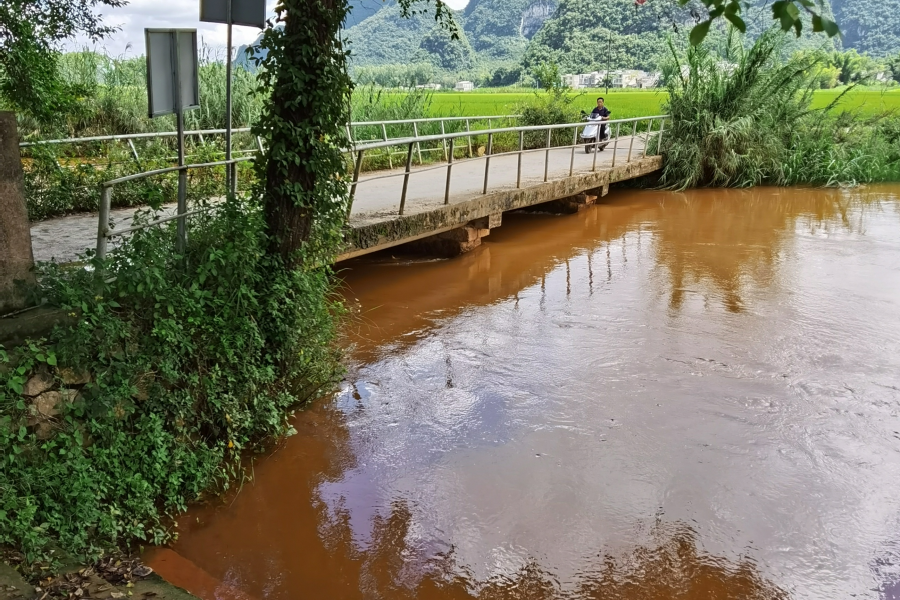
(374, 216)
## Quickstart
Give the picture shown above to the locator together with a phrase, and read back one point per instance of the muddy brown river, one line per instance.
(691, 396)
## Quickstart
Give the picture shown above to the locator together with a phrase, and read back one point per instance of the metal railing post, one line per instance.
(547, 156)
(406, 178)
(662, 123)
(259, 144)
(487, 160)
(596, 149)
(631, 145)
(647, 141)
(449, 169)
(356, 168)
(418, 145)
(388, 149)
(519, 170)
(103, 221)
(444, 141)
(615, 145)
(572, 158)
(469, 129)
(134, 153)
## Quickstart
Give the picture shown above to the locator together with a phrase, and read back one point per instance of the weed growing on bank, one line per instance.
(750, 122)
(171, 366)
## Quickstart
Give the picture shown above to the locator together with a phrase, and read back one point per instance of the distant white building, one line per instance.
(429, 86)
(630, 78)
(464, 86)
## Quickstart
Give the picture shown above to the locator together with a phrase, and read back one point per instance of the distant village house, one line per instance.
(622, 78)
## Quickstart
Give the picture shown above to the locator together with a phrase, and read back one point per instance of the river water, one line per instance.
(666, 396)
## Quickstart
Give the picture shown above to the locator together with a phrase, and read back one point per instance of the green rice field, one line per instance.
(635, 103)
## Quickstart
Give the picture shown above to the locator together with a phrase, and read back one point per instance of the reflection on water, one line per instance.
(668, 396)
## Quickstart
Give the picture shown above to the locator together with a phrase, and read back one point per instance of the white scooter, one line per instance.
(594, 133)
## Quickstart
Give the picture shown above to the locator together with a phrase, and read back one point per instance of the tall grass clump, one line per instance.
(731, 124)
(746, 119)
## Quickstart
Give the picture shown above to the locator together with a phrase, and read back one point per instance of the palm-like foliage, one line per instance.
(732, 124)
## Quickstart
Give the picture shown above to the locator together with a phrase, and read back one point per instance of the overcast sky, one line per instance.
(138, 14)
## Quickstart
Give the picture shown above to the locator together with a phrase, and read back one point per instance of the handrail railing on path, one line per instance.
(490, 133)
(381, 126)
(104, 232)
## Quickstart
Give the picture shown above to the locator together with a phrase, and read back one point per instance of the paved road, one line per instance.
(377, 195)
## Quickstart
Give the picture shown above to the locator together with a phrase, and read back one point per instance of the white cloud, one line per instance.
(138, 14)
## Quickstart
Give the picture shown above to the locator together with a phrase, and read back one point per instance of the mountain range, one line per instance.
(580, 35)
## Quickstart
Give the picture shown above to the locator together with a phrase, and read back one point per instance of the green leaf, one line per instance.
(698, 33)
(831, 28)
(817, 23)
(51, 360)
(737, 22)
(114, 304)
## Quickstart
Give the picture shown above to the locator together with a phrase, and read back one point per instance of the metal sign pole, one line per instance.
(231, 174)
(181, 241)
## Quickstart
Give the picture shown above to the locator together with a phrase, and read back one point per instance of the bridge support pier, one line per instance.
(567, 206)
(456, 241)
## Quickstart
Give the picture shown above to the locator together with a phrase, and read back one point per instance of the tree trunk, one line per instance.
(16, 258)
(305, 121)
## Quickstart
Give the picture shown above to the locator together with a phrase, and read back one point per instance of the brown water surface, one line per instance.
(667, 396)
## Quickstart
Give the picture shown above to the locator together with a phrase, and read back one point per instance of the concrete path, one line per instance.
(377, 195)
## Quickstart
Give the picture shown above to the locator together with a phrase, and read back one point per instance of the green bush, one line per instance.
(750, 123)
(185, 377)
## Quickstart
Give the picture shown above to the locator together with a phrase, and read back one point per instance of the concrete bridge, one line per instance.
(443, 206)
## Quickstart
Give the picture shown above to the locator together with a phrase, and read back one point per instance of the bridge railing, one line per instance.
(525, 139)
(531, 139)
(357, 132)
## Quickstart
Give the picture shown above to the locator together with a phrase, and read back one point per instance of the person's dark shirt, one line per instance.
(603, 112)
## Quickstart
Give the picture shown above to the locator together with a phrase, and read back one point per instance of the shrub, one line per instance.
(184, 378)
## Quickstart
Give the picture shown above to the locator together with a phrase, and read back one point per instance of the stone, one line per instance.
(46, 405)
(44, 430)
(38, 383)
(16, 258)
(71, 377)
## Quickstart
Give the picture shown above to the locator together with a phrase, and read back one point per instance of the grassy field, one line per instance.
(633, 103)
(623, 104)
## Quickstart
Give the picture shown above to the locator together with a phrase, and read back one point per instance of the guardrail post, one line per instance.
(356, 168)
(547, 155)
(103, 220)
(519, 170)
(469, 129)
(572, 158)
(444, 141)
(487, 160)
(631, 145)
(134, 153)
(596, 149)
(449, 168)
(662, 123)
(615, 145)
(647, 141)
(418, 145)
(388, 149)
(406, 178)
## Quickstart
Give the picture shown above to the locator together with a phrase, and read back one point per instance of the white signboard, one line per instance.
(171, 66)
(251, 13)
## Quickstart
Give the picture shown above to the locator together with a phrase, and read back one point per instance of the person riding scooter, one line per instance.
(603, 112)
(596, 132)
